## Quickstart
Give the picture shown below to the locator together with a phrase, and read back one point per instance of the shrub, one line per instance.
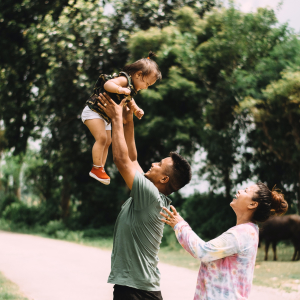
(75, 236)
(7, 200)
(208, 214)
(61, 234)
(54, 226)
(20, 213)
(103, 231)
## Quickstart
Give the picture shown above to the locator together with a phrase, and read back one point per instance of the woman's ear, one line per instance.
(253, 205)
(165, 179)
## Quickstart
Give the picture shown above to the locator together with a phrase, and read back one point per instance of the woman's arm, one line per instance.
(222, 246)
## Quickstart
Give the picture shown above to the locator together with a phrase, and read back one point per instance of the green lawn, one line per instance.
(9, 290)
(282, 274)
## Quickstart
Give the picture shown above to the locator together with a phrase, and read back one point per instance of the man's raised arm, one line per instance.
(126, 167)
(129, 137)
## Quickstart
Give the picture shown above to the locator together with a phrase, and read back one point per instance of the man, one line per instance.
(138, 229)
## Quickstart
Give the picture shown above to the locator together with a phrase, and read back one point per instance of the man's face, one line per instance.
(159, 170)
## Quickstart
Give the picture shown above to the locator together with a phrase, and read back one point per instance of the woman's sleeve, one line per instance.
(222, 246)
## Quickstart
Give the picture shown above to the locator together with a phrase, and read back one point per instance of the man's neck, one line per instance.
(160, 188)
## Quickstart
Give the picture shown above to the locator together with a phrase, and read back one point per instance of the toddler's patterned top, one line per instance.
(93, 101)
(227, 262)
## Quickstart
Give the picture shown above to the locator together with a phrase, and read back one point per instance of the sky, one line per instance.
(286, 10)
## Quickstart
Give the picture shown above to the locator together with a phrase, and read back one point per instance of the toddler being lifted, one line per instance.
(133, 78)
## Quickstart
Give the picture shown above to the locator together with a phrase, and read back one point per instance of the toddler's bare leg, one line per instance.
(108, 142)
(97, 129)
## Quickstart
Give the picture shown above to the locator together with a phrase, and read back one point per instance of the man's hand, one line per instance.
(127, 114)
(110, 107)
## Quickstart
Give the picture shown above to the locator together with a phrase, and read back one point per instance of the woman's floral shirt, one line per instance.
(227, 262)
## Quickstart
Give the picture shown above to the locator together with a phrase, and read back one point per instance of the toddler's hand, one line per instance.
(125, 91)
(139, 113)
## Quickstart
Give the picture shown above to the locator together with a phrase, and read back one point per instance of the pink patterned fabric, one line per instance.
(227, 262)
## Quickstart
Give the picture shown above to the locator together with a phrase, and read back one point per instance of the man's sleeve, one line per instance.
(143, 191)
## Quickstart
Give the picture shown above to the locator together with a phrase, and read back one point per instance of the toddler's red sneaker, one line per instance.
(100, 175)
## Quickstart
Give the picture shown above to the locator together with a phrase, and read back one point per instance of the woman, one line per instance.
(227, 262)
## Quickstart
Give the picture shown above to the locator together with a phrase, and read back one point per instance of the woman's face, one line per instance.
(243, 199)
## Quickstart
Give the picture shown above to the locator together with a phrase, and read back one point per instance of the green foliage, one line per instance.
(6, 201)
(209, 65)
(19, 213)
(9, 290)
(221, 90)
(276, 115)
(103, 231)
(209, 215)
(54, 226)
(169, 239)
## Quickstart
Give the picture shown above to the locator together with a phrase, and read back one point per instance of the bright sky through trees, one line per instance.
(286, 10)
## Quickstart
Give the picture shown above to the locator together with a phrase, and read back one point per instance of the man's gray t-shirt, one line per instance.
(137, 237)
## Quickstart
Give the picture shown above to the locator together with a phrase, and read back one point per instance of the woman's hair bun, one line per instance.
(278, 204)
(151, 54)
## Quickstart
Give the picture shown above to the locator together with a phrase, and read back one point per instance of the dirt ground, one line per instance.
(47, 269)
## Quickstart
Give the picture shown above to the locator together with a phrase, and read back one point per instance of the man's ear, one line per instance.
(253, 205)
(165, 179)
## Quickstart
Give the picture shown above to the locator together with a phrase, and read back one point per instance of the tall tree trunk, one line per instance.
(16, 179)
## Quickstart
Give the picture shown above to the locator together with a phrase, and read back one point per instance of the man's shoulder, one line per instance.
(141, 183)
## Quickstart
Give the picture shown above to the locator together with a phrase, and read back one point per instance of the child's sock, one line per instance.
(97, 167)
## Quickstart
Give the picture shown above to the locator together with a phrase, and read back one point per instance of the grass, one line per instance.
(103, 243)
(9, 290)
(283, 274)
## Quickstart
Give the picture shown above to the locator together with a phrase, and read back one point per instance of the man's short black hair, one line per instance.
(179, 174)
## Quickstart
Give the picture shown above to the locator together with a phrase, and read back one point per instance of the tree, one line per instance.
(208, 67)
(277, 129)
(21, 62)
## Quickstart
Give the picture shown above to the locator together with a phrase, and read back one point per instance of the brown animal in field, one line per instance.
(281, 228)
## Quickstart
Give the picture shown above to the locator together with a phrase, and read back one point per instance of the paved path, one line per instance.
(47, 269)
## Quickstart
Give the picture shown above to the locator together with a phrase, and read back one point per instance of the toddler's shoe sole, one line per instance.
(104, 181)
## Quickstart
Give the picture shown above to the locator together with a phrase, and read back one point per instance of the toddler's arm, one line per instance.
(117, 85)
(138, 112)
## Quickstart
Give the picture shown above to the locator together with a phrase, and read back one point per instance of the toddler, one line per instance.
(133, 78)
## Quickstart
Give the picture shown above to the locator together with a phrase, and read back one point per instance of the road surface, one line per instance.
(48, 269)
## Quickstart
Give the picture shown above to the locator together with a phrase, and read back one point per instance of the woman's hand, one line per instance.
(110, 107)
(172, 218)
